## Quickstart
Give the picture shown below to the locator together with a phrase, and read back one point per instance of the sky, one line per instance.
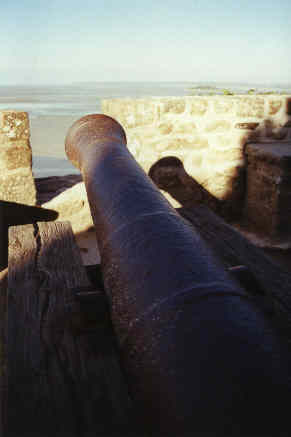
(65, 41)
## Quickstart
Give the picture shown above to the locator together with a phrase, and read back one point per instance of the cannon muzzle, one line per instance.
(198, 355)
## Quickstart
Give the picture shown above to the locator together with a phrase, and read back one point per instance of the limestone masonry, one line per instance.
(237, 147)
(16, 180)
(209, 134)
(268, 195)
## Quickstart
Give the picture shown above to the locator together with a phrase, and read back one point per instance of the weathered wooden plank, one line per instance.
(3, 349)
(62, 380)
(234, 249)
(13, 213)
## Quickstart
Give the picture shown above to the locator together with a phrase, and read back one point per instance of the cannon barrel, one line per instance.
(198, 355)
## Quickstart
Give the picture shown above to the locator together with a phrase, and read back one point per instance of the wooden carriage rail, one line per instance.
(269, 283)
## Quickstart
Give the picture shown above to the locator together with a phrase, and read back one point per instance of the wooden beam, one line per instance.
(3, 350)
(63, 375)
(272, 283)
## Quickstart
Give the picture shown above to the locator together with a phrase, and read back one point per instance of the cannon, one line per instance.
(197, 353)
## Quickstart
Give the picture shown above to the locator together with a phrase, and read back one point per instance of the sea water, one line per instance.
(54, 104)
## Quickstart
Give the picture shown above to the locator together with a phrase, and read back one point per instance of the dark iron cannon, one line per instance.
(197, 353)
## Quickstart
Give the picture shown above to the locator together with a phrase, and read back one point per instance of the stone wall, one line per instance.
(207, 133)
(16, 180)
(268, 196)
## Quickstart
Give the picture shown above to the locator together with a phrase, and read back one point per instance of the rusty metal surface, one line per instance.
(198, 355)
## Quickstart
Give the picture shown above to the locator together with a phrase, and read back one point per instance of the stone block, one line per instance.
(14, 125)
(144, 112)
(143, 133)
(146, 161)
(269, 189)
(218, 156)
(223, 105)
(250, 107)
(18, 186)
(72, 205)
(165, 128)
(277, 154)
(274, 106)
(218, 126)
(180, 143)
(232, 139)
(174, 106)
(193, 161)
(134, 147)
(184, 127)
(222, 141)
(15, 156)
(198, 106)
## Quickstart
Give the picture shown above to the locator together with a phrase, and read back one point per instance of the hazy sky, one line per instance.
(57, 41)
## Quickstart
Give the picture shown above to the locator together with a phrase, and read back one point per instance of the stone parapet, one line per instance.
(268, 199)
(207, 133)
(16, 179)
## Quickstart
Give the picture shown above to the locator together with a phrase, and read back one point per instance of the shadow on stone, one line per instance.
(169, 175)
(258, 193)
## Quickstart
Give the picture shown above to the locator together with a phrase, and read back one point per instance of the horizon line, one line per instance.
(235, 82)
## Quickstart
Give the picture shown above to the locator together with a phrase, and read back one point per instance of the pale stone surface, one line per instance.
(18, 186)
(175, 106)
(198, 106)
(147, 161)
(185, 127)
(16, 180)
(226, 155)
(208, 134)
(274, 106)
(218, 126)
(14, 125)
(232, 139)
(192, 161)
(181, 143)
(165, 128)
(72, 205)
(223, 105)
(250, 107)
(15, 156)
